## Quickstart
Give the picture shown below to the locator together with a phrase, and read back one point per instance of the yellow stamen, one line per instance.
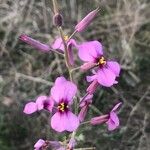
(102, 61)
(66, 37)
(62, 107)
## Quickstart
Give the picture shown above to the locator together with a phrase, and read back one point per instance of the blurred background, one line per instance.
(123, 27)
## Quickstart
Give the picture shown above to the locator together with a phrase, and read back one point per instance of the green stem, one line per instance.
(86, 122)
(72, 35)
(74, 69)
(66, 53)
(55, 6)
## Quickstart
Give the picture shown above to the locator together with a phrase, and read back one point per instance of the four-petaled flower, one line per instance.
(92, 54)
(113, 121)
(63, 92)
(110, 119)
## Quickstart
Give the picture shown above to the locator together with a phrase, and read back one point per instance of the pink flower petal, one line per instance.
(91, 78)
(113, 121)
(106, 77)
(39, 144)
(60, 80)
(72, 121)
(57, 122)
(116, 106)
(89, 51)
(30, 108)
(58, 44)
(114, 118)
(49, 104)
(111, 125)
(40, 102)
(114, 66)
(66, 90)
(116, 82)
(70, 90)
(64, 121)
(58, 88)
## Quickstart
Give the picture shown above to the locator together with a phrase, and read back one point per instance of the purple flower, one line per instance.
(107, 71)
(34, 43)
(84, 104)
(86, 20)
(58, 44)
(42, 102)
(113, 121)
(110, 119)
(39, 144)
(63, 92)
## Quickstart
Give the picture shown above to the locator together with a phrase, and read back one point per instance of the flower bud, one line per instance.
(92, 87)
(99, 120)
(86, 20)
(84, 104)
(87, 66)
(58, 20)
(34, 43)
(83, 112)
(86, 100)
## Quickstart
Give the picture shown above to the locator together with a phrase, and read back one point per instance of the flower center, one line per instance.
(62, 107)
(102, 61)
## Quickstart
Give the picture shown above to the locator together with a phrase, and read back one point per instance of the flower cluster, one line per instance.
(63, 93)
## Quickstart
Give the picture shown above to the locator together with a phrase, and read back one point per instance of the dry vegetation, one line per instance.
(122, 26)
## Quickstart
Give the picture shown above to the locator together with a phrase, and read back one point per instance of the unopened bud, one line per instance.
(34, 43)
(99, 120)
(86, 20)
(58, 20)
(87, 66)
(92, 87)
